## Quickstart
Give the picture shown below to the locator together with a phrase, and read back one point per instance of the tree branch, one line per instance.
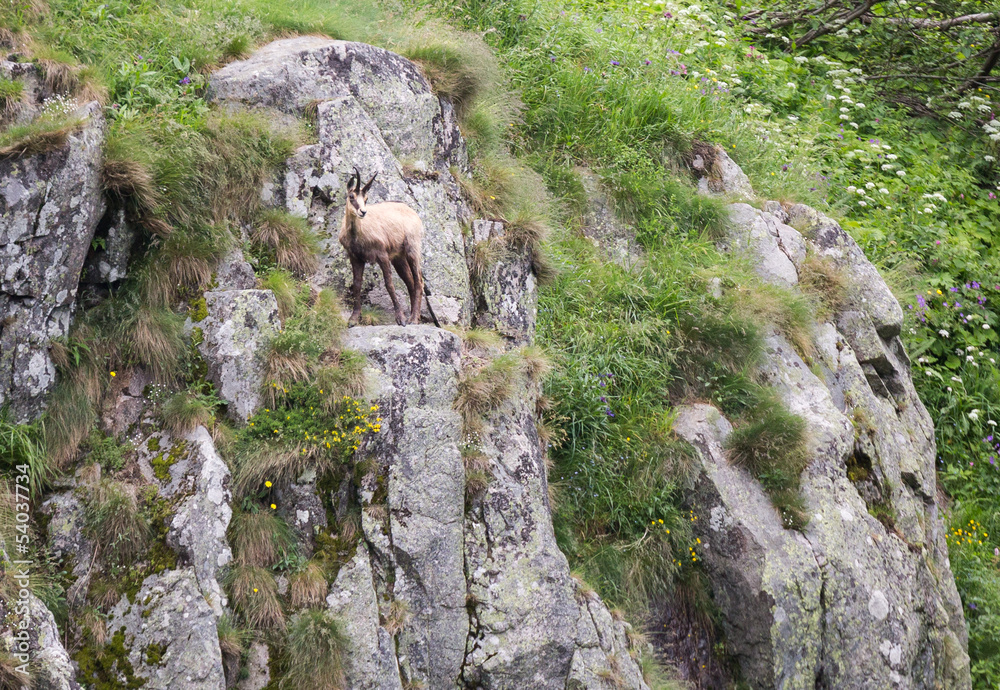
(831, 27)
(980, 18)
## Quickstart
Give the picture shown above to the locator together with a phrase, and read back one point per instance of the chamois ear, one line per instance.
(368, 186)
(350, 182)
(357, 184)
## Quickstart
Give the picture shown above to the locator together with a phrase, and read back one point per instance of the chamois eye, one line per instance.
(352, 195)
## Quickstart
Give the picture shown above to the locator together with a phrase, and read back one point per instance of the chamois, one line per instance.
(384, 233)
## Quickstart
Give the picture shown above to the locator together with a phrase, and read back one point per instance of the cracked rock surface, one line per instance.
(851, 601)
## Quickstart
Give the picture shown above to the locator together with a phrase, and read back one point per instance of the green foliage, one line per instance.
(771, 445)
(23, 445)
(187, 410)
(107, 451)
(316, 650)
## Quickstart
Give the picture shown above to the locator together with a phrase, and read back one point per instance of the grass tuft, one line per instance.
(187, 410)
(288, 240)
(254, 595)
(771, 446)
(113, 521)
(307, 587)
(316, 648)
(259, 538)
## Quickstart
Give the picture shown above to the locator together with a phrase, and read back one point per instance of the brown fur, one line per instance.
(385, 234)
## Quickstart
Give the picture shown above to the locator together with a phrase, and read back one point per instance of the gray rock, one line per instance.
(377, 126)
(526, 610)
(170, 633)
(237, 333)
(36, 647)
(294, 73)
(198, 529)
(50, 205)
(234, 273)
(302, 508)
(718, 174)
(258, 671)
(107, 261)
(602, 224)
(67, 541)
(506, 292)
(372, 654)
(413, 376)
(772, 246)
(866, 288)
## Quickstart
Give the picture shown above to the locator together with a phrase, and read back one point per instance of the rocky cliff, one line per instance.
(863, 597)
(450, 583)
(488, 597)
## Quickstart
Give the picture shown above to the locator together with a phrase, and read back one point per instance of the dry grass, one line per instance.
(289, 239)
(307, 587)
(10, 677)
(157, 341)
(396, 618)
(819, 276)
(41, 136)
(254, 595)
(277, 464)
(258, 538)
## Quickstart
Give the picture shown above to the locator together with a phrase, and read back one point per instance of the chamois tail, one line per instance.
(427, 293)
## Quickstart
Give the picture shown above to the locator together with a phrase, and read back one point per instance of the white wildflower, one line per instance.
(883, 190)
(943, 333)
(901, 173)
(974, 415)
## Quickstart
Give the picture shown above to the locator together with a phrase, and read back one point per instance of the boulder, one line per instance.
(718, 174)
(236, 335)
(50, 205)
(197, 531)
(531, 625)
(372, 651)
(413, 377)
(394, 126)
(170, 634)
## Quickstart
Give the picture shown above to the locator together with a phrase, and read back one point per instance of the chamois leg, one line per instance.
(403, 269)
(386, 266)
(358, 267)
(413, 263)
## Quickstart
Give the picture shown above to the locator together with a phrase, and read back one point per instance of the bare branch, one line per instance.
(833, 25)
(980, 18)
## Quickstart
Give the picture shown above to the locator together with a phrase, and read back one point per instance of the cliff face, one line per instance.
(488, 596)
(851, 601)
(863, 597)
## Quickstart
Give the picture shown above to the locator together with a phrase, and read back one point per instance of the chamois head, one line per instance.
(357, 195)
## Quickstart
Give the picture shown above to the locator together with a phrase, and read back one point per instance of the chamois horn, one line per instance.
(357, 184)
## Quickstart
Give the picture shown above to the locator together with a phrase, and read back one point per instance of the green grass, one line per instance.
(187, 410)
(316, 651)
(771, 446)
